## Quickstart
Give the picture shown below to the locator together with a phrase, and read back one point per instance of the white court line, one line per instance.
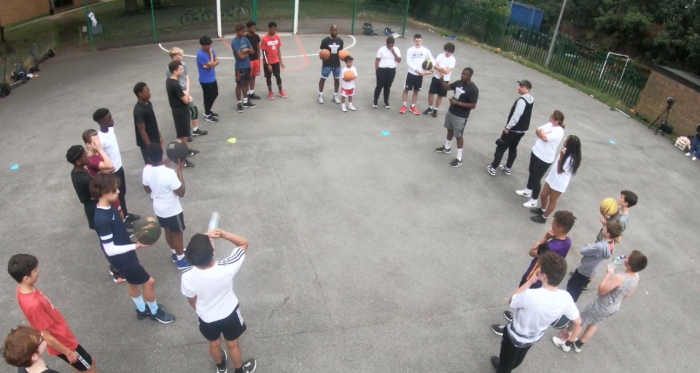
(354, 41)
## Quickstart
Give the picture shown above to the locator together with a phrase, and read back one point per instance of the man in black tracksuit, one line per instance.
(518, 124)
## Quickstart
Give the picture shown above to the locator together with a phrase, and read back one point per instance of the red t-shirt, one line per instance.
(42, 315)
(93, 168)
(270, 45)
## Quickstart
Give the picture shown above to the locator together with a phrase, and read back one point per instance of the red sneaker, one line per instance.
(414, 110)
(282, 94)
(270, 96)
(403, 109)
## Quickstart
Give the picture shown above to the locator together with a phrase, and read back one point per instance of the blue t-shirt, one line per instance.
(205, 75)
(238, 44)
(111, 229)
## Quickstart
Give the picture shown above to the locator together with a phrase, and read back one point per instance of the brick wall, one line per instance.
(12, 11)
(685, 114)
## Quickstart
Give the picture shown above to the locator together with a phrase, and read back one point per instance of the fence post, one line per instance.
(354, 12)
(89, 25)
(153, 23)
(255, 11)
(405, 17)
(554, 37)
(295, 15)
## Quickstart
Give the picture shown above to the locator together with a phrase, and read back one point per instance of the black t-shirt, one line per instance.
(467, 93)
(175, 94)
(333, 45)
(81, 183)
(48, 370)
(255, 42)
(143, 113)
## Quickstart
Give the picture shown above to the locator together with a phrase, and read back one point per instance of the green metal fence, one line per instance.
(615, 76)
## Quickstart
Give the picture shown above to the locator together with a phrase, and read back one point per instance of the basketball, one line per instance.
(348, 75)
(342, 54)
(176, 151)
(608, 207)
(147, 231)
(561, 322)
(324, 54)
(427, 65)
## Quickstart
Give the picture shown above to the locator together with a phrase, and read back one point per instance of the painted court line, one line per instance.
(354, 41)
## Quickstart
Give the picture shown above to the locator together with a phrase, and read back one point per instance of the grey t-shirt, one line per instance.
(620, 218)
(181, 79)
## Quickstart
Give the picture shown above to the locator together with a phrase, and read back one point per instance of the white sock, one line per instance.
(320, 94)
(180, 257)
(250, 91)
(459, 154)
(404, 103)
(240, 102)
(335, 94)
(447, 144)
(245, 100)
(412, 105)
(430, 107)
(173, 251)
(195, 128)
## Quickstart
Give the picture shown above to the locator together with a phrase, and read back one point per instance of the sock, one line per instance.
(320, 93)
(543, 210)
(447, 144)
(412, 105)
(335, 94)
(153, 306)
(404, 103)
(568, 343)
(250, 91)
(239, 101)
(430, 107)
(195, 128)
(342, 105)
(435, 109)
(140, 305)
(459, 154)
(180, 257)
(173, 251)
(579, 344)
(245, 100)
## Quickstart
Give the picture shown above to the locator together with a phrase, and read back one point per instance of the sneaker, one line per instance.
(343, 108)
(320, 99)
(577, 348)
(491, 170)
(249, 105)
(455, 163)
(189, 139)
(530, 203)
(161, 316)
(505, 169)
(270, 95)
(508, 315)
(428, 111)
(687, 154)
(537, 210)
(374, 104)
(249, 366)
(183, 264)
(221, 367)
(211, 119)
(282, 94)
(188, 164)
(129, 224)
(239, 108)
(351, 107)
(585, 289)
(434, 113)
(199, 132)
(694, 158)
(386, 105)
(213, 114)
(142, 315)
(539, 218)
(193, 152)
(413, 110)
(118, 279)
(561, 344)
(443, 149)
(524, 193)
(498, 329)
(132, 217)
(253, 96)
(402, 110)
(336, 100)
(174, 257)
(496, 362)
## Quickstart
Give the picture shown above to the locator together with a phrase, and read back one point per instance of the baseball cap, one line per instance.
(526, 83)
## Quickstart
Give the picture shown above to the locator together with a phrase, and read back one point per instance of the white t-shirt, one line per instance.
(560, 181)
(444, 61)
(213, 287)
(535, 310)
(350, 84)
(415, 57)
(163, 183)
(386, 58)
(111, 147)
(547, 150)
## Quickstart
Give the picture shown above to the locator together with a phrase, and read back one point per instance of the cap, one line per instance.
(526, 83)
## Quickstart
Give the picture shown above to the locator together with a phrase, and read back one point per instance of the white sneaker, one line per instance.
(336, 99)
(694, 158)
(342, 107)
(577, 348)
(320, 99)
(524, 192)
(561, 344)
(531, 203)
(351, 107)
(687, 154)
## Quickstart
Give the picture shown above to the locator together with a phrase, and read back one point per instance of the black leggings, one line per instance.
(510, 143)
(211, 92)
(122, 190)
(538, 168)
(268, 75)
(385, 76)
(576, 284)
(510, 357)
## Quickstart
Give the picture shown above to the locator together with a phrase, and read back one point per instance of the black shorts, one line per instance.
(414, 82)
(232, 327)
(243, 75)
(175, 224)
(84, 361)
(436, 88)
(135, 275)
(182, 123)
(275, 69)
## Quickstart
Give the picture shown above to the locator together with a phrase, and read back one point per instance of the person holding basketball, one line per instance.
(415, 56)
(333, 44)
(272, 59)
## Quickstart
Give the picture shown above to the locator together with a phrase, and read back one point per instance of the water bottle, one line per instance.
(619, 260)
(214, 221)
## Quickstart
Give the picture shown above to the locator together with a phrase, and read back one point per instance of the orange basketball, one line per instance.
(324, 54)
(342, 54)
(348, 75)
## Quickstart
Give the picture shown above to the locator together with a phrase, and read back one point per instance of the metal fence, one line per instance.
(168, 20)
(31, 55)
(611, 74)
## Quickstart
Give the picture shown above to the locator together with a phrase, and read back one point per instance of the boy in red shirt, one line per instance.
(272, 59)
(43, 316)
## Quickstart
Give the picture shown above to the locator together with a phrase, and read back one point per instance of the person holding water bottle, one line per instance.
(611, 292)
